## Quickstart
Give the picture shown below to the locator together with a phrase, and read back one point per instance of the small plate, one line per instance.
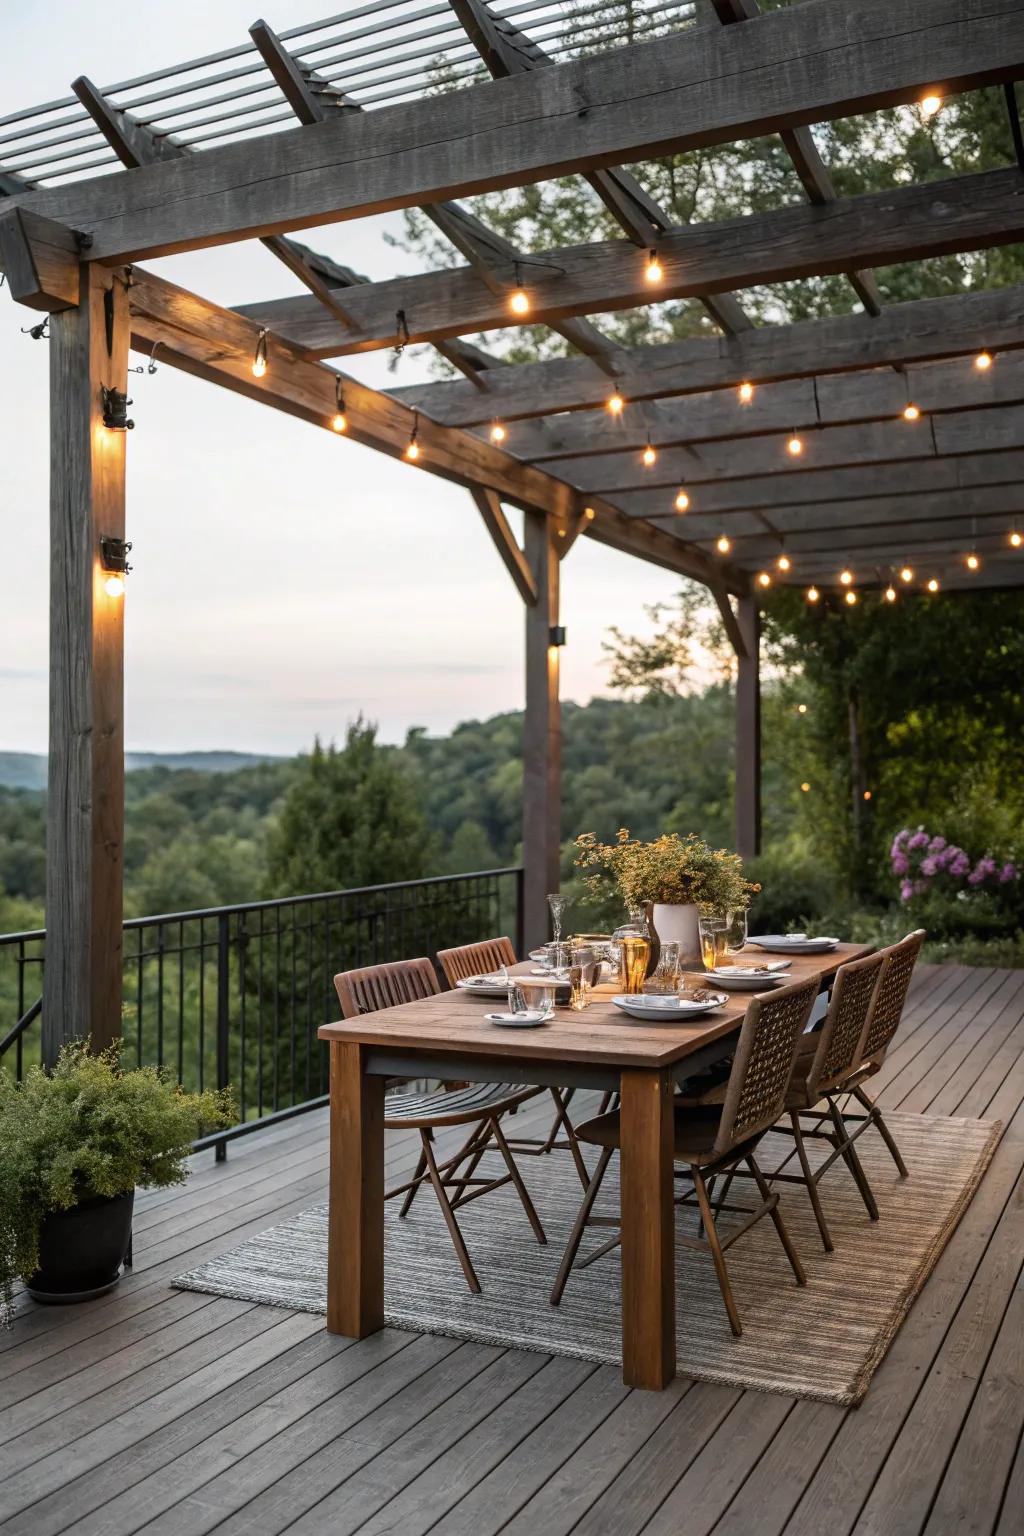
(744, 981)
(642, 1006)
(531, 1020)
(766, 968)
(793, 944)
(483, 986)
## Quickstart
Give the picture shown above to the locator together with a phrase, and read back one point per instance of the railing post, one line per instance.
(223, 1012)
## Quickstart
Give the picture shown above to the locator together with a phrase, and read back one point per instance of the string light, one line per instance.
(498, 433)
(722, 544)
(682, 500)
(846, 577)
(867, 794)
(813, 594)
(801, 709)
(655, 272)
(933, 585)
(983, 361)
(519, 299)
(412, 447)
(929, 105)
(911, 411)
(890, 593)
(114, 585)
(649, 455)
(805, 787)
(259, 357)
(615, 403)
(906, 574)
(764, 579)
(784, 563)
(795, 446)
(851, 598)
(746, 392)
(1016, 539)
(114, 553)
(339, 421)
(972, 562)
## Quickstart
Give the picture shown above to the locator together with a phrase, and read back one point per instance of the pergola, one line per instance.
(337, 120)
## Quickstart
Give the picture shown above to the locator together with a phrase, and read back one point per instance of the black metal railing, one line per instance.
(235, 995)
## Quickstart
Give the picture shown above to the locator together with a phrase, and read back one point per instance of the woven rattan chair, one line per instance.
(478, 1105)
(717, 1139)
(489, 955)
(883, 1022)
(825, 1062)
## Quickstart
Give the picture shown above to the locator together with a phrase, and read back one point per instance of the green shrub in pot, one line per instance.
(88, 1132)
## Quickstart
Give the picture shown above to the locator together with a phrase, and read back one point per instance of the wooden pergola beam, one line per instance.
(887, 542)
(488, 504)
(900, 224)
(903, 334)
(702, 87)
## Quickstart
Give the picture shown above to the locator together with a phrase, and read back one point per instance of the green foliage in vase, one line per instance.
(671, 869)
(87, 1129)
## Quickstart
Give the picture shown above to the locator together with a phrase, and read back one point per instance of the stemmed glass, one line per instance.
(558, 905)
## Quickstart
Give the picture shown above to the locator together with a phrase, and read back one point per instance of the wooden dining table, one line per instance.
(447, 1037)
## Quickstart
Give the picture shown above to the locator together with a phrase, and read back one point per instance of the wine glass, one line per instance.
(558, 905)
(736, 930)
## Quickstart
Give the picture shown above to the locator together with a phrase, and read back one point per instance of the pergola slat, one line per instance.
(795, 66)
(900, 224)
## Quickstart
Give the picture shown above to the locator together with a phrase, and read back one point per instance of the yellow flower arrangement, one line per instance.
(672, 870)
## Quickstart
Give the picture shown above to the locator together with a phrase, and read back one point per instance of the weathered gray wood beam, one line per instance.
(508, 51)
(798, 65)
(957, 532)
(85, 800)
(41, 259)
(900, 224)
(807, 162)
(904, 333)
(504, 540)
(542, 734)
(11, 183)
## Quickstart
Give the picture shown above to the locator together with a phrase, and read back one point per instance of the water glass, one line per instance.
(736, 930)
(557, 955)
(636, 951)
(713, 933)
(665, 979)
(582, 973)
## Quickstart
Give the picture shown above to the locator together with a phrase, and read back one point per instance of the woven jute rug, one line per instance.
(823, 1341)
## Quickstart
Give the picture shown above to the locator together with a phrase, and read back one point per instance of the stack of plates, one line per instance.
(642, 1006)
(792, 943)
(484, 986)
(751, 978)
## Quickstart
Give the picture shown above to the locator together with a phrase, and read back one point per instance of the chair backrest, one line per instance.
(763, 1064)
(843, 1029)
(887, 1009)
(476, 959)
(384, 986)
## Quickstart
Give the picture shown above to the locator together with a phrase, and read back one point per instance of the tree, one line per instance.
(350, 817)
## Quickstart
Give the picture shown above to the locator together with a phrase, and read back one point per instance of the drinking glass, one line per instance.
(665, 979)
(713, 941)
(735, 931)
(582, 971)
(524, 996)
(557, 955)
(558, 905)
(636, 951)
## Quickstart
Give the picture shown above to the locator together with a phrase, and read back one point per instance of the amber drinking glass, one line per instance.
(636, 951)
(714, 937)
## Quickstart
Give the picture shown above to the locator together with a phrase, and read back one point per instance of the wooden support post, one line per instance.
(748, 731)
(85, 799)
(542, 734)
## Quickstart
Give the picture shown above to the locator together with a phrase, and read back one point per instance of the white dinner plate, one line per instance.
(484, 986)
(764, 968)
(641, 1006)
(745, 981)
(793, 944)
(530, 1020)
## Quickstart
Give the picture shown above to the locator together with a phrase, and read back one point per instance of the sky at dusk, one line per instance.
(285, 580)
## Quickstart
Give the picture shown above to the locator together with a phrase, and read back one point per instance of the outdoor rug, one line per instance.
(824, 1341)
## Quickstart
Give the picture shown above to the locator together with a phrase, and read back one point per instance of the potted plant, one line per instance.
(673, 880)
(74, 1144)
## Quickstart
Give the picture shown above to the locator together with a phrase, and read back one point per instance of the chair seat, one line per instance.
(457, 1107)
(696, 1129)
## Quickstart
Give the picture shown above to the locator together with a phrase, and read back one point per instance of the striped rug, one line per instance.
(824, 1341)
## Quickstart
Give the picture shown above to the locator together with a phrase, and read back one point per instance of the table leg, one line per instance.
(648, 1230)
(355, 1227)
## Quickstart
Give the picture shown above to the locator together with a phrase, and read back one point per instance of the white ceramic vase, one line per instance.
(679, 925)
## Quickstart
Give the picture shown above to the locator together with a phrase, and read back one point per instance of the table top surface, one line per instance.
(600, 1034)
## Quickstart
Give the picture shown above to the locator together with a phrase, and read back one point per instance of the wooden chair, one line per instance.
(479, 1105)
(489, 955)
(883, 1022)
(824, 1063)
(715, 1139)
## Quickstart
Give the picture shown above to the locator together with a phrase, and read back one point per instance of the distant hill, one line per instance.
(27, 770)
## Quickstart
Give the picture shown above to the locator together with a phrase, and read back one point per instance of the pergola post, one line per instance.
(85, 799)
(542, 733)
(748, 730)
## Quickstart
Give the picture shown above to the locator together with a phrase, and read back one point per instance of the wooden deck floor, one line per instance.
(175, 1413)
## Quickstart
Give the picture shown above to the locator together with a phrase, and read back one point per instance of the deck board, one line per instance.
(178, 1414)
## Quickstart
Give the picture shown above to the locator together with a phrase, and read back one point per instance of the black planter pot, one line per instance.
(81, 1250)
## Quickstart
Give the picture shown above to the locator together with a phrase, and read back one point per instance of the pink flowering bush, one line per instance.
(929, 864)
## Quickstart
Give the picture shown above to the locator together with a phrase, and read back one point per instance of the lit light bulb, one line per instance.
(763, 579)
(910, 411)
(649, 455)
(906, 574)
(890, 594)
(722, 544)
(339, 421)
(795, 446)
(746, 392)
(851, 598)
(846, 577)
(933, 585)
(1016, 539)
(813, 594)
(113, 586)
(805, 787)
(973, 563)
(498, 433)
(682, 501)
(519, 301)
(615, 404)
(259, 357)
(930, 105)
(784, 563)
(413, 451)
(983, 361)
(801, 709)
(867, 794)
(655, 272)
